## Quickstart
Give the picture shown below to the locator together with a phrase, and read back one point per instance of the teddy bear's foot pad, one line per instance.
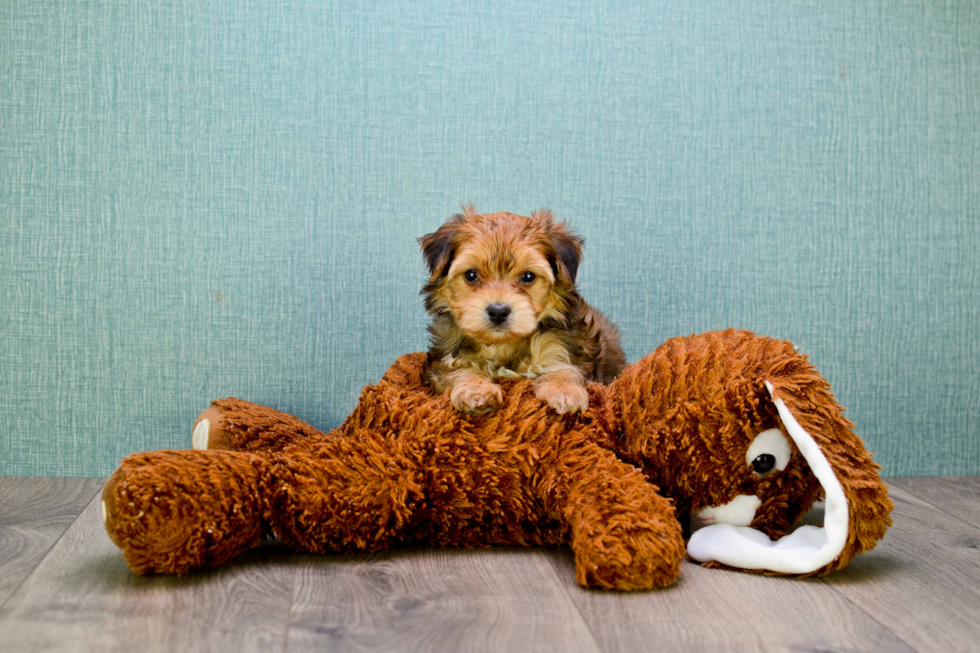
(210, 432)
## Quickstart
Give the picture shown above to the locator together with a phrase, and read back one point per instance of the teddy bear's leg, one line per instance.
(236, 425)
(351, 492)
(624, 534)
(173, 511)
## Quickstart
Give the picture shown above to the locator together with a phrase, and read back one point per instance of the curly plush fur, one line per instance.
(406, 467)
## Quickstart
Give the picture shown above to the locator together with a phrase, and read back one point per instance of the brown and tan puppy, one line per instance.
(503, 302)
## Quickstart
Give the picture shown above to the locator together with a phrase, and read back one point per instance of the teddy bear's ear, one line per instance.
(857, 506)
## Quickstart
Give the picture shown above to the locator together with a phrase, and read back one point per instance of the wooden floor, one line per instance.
(64, 587)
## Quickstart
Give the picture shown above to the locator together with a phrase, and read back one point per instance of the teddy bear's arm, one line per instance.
(624, 534)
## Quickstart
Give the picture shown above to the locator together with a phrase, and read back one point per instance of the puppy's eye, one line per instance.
(470, 276)
(528, 277)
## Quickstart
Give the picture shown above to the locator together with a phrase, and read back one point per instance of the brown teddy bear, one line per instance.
(734, 432)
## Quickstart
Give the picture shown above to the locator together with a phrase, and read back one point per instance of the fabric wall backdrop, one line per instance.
(222, 198)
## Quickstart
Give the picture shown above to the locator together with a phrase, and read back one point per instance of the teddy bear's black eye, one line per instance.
(763, 463)
(528, 277)
(470, 275)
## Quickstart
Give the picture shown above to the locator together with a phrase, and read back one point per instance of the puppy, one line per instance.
(501, 294)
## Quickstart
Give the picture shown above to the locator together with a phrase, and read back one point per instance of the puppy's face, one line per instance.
(499, 275)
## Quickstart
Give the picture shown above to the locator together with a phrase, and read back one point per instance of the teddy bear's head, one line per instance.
(744, 434)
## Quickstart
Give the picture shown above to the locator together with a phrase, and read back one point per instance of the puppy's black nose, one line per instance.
(498, 313)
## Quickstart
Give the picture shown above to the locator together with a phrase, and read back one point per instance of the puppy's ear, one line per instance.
(566, 248)
(439, 247)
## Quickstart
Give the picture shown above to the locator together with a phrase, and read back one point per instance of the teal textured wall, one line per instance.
(201, 199)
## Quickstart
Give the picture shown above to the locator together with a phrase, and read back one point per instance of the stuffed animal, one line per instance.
(736, 433)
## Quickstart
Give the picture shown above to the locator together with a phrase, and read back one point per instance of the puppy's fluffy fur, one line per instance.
(503, 302)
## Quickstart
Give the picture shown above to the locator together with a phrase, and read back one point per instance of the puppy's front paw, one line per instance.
(563, 396)
(476, 396)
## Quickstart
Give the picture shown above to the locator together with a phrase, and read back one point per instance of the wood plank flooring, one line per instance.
(34, 513)
(64, 587)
